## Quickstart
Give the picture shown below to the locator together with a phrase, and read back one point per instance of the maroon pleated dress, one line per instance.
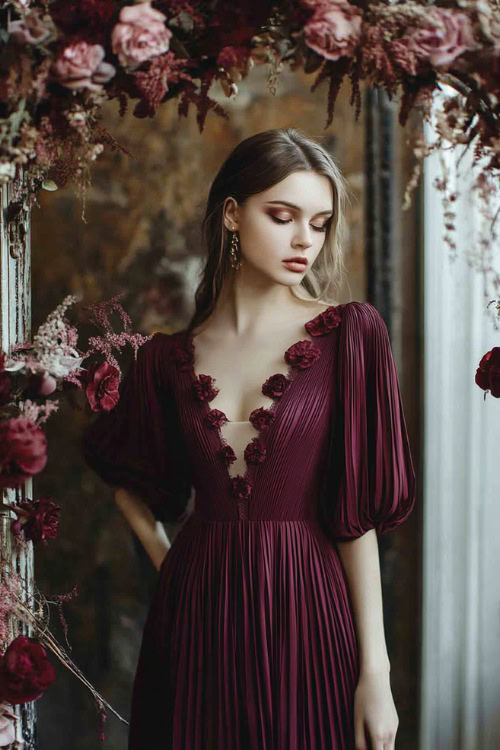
(250, 640)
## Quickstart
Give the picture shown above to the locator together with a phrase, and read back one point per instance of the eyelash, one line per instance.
(286, 221)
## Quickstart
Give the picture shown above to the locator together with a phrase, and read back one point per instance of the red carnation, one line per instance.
(204, 388)
(241, 487)
(255, 452)
(23, 451)
(324, 322)
(227, 454)
(276, 385)
(25, 671)
(488, 372)
(302, 354)
(38, 519)
(215, 418)
(102, 386)
(261, 418)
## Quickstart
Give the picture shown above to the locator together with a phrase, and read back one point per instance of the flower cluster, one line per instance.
(63, 59)
(302, 354)
(324, 322)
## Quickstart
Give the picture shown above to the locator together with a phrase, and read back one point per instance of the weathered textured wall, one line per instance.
(142, 237)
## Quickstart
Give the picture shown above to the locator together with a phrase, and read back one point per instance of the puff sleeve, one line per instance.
(370, 477)
(137, 444)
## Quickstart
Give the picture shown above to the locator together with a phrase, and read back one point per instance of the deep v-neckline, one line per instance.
(299, 356)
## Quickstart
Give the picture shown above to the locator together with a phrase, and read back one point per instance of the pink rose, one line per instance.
(23, 451)
(82, 66)
(334, 29)
(140, 35)
(102, 387)
(442, 37)
(7, 726)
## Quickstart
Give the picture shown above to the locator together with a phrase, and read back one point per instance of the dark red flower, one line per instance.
(25, 671)
(23, 451)
(40, 520)
(276, 385)
(261, 418)
(102, 386)
(183, 356)
(204, 388)
(488, 372)
(88, 19)
(241, 487)
(324, 322)
(215, 418)
(255, 452)
(227, 454)
(302, 354)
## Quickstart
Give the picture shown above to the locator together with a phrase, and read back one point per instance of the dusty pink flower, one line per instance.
(140, 34)
(102, 387)
(23, 451)
(442, 37)
(82, 66)
(7, 725)
(334, 29)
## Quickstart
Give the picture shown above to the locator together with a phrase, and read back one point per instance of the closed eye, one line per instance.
(287, 221)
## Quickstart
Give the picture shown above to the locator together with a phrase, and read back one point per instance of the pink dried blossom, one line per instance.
(334, 29)
(140, 34)
(442, 36)
(81, 66)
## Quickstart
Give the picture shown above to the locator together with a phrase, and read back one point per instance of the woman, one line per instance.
(282, 409)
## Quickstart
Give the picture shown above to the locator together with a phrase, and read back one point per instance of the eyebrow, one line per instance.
(292, 205)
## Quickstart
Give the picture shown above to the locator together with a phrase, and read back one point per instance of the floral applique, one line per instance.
(227, 454)
(262, 418)
(183, 356)
(255, 452)
(324, 322)
(204, 388)
(215, 418)
(241, 487)
(302, 354)
(276, 385)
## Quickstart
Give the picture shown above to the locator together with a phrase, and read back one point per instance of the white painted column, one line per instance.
(460, 696)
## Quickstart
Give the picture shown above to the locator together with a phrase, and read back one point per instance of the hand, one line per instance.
(375, 717)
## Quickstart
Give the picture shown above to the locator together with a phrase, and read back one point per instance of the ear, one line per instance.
(230, 214)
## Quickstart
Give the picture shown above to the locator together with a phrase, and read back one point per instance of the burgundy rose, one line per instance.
(88, 18)
(276, 385)
(39, 521)
(204, 388)
(183, 356)
(334, 29)
(488, 372)
(324, 322)
(261, 418)
(443, 35)
(302, 354)
(25, 671)
(227, 454)
(255, 452)
(215, 418)
(81, 66)
(140, 35)
(241, 487)
(23, 451)
(102, 386)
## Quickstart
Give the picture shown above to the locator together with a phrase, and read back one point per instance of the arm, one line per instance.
(149, 531)
(361, 562)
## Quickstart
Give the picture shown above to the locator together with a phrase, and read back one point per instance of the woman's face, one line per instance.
(288, 220)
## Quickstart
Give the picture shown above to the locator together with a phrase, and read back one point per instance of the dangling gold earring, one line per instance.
(235, 262)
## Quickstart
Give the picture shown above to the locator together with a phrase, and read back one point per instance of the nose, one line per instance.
(302, 236)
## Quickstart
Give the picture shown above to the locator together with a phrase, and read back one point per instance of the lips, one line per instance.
(297, 259)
